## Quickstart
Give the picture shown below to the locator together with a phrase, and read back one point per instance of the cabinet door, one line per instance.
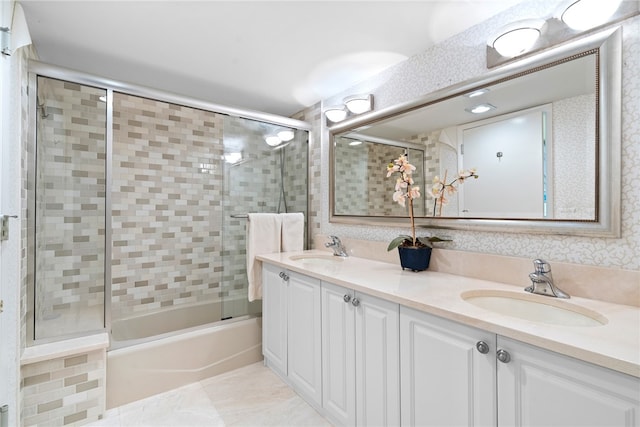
(304, 346)
(541, 388)
(338, 354)
(377, 362)
(274, 318)
(445, 379)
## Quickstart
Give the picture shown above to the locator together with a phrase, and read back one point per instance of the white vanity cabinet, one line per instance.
(291, 329)
(537, 387)
(274, 318)
(453, 374)
(447, 372)
(360, 358)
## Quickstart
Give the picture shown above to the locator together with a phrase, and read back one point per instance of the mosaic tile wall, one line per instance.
(70, 208)
(166, 205)
(64, 391)
(361, 172)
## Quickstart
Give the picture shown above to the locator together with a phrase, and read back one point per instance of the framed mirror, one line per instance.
(543, 135)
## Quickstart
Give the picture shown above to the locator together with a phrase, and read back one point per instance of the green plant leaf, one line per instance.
(432, 239)
(397, 242)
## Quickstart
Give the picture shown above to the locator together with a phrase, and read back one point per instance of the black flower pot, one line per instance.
(414, 258)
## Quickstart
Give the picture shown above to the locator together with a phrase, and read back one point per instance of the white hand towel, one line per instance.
(263, 237)
(292, 231)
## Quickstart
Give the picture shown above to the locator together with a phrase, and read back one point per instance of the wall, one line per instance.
(462, 57)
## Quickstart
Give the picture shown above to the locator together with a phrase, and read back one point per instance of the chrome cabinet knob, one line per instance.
(346, 298)
(503, 356)
(355, 302)
(482, 347)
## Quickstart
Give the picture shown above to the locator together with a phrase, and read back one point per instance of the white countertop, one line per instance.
(615, 345)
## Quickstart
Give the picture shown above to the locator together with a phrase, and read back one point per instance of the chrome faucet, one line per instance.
(542, 281)
(337, 246)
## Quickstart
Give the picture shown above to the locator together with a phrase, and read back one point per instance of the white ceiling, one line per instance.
(271, 56)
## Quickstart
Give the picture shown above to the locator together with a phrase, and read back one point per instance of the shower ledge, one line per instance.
(54, 350)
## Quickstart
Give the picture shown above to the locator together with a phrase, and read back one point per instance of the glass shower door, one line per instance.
(70, 209)
(258, 177)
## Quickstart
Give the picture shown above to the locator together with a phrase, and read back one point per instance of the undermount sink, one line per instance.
(534, 308)
(316, 258)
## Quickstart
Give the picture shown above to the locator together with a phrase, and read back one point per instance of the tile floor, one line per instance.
(249, 396)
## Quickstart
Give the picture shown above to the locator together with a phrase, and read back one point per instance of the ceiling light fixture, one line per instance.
(359, 104)
(517, 38)
(336, 114)
(480, 108)
(586, 14)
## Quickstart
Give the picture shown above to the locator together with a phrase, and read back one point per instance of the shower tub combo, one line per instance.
(140, 203)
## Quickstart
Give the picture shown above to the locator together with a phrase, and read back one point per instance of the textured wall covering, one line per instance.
(462, 57)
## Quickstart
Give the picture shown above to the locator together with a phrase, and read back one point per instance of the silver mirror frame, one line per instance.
(608, 47)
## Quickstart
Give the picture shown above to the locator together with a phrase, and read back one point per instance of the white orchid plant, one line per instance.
(440, 191)
(406, 190)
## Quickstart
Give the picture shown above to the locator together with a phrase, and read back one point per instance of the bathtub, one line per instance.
(139, 366)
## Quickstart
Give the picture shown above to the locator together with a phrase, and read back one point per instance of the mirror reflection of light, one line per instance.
(585, 14)
(481, 108)
(232, 157)
(272, 140)
(286, 135)
(354, 143)
(477, 93)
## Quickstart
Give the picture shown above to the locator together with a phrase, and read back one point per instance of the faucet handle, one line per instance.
(541, 266)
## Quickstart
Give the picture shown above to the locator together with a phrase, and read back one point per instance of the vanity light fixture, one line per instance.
(480, 108)
(351, 105)
(517, 38)
(359, 104)
(336, 114)
(585, 14)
